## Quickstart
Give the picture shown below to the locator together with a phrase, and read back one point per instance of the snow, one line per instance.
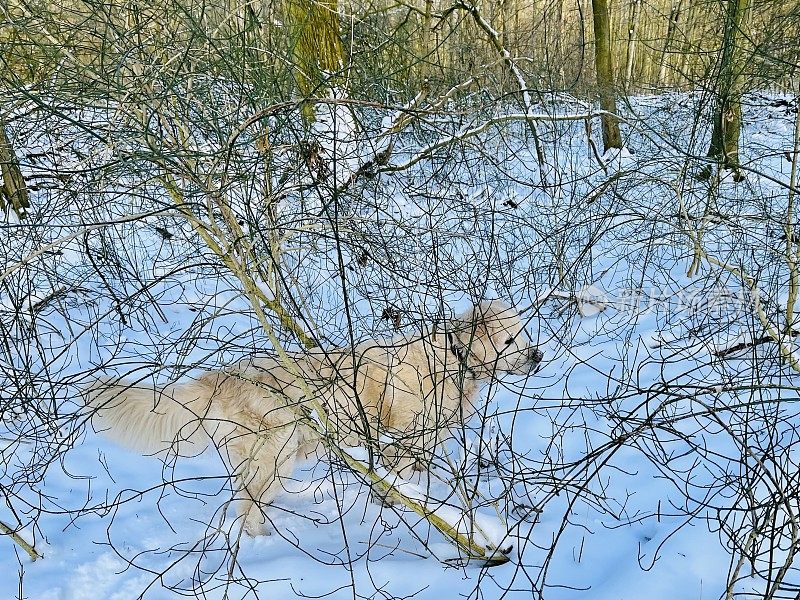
(564, 482)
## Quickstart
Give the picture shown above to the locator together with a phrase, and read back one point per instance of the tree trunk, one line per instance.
(605, 75)
(730, 83)
(503, 6)
(672, 28)
(633, 27)
(333, 152)
(317, 49)
(554, 43)
(426, 42)
(690, 48)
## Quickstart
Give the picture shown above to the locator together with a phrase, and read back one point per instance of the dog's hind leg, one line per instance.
(262, 461)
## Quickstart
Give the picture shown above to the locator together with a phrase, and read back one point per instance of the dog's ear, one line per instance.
(460, 333)
(466, 328)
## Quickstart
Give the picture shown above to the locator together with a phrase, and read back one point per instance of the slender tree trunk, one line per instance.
(426, 42)
(730, 84)
(647, 58)
(554, 52)
(672, 27)
(503, 6)
(691, 46)
(633, 29)
(605, 74)
(514, 18)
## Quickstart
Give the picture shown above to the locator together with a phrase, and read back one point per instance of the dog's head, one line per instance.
(490, 338)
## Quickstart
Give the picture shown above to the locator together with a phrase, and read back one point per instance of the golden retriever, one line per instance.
(398, 398)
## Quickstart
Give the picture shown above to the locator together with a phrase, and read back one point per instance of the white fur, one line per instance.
(410, 391)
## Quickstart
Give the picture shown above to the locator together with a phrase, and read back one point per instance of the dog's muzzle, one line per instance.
(528, 361)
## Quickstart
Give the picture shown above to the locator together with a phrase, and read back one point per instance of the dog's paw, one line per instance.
(259, 531)
(256, 527)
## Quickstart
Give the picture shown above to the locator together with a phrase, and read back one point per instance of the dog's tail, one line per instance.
(151, 420)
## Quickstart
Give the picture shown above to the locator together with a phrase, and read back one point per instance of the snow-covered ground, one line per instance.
(631, 464)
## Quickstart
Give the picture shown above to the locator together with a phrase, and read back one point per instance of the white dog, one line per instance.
(408, 391)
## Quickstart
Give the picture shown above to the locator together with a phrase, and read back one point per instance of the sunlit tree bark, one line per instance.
(730, 83)
(633, 27)
(672, 28)
(317, 49)
(605, 74)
